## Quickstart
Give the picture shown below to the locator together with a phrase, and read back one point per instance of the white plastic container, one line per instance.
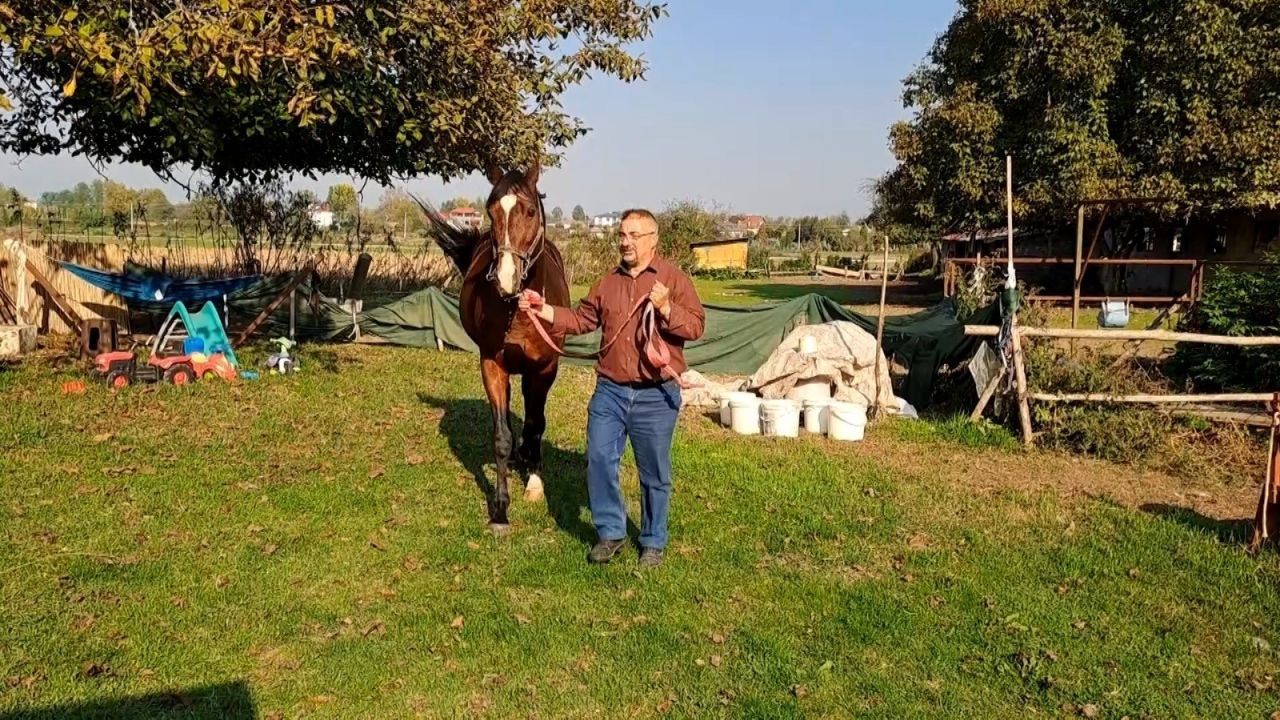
(811, 389)
(780, 418)
(846, 421)
(817, 416)
(808, 345)
(744, 414)
(726, 416)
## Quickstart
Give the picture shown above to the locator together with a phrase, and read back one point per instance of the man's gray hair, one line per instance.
(638, 212)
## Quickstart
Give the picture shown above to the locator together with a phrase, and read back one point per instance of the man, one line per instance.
(633, 399)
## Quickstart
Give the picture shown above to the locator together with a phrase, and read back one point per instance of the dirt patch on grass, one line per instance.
(1035, 471)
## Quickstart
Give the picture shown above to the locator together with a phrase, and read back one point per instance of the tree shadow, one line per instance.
(228, 701)
(466, 425)
(315, 356)
(1230, 532)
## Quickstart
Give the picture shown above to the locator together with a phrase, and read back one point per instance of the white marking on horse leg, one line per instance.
(507, 263)
(533, 488)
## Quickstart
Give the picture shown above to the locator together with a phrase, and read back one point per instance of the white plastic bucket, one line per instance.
(846, 421)
(1114, 314)
(816, 416)
(780, 418)
(811, 389)
(726, 416)
(744, 414)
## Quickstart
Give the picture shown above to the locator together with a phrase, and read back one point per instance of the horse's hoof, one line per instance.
(500, 528)
(533, 489)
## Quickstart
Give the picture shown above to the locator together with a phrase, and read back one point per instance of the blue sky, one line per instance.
(752, 105)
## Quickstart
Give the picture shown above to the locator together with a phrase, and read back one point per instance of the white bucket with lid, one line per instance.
(811, 389)
(780, 418)
(726, 417)
(744, 414)
(816, 416)
(846, 421)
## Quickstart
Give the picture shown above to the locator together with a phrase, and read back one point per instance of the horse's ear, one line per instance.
(531, 175)
(495, 174)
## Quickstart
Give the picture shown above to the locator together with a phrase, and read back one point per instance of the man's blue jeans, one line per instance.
(648, 417)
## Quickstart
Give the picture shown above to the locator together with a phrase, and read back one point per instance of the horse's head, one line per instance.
(518, 226)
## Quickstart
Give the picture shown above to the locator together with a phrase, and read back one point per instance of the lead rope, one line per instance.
(655, 348)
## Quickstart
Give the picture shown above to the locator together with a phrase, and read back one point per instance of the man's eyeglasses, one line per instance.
(636, 236)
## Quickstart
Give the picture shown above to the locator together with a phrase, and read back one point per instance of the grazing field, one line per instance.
(316, 546)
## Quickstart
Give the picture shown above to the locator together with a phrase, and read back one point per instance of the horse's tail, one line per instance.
(458, 244)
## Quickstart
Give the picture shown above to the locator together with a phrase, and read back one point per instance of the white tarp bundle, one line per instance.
(845, 357)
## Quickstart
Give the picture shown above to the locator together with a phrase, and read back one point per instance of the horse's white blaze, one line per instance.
(507, 263)
(533, 488)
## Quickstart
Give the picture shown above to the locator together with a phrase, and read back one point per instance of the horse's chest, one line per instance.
(524, 336)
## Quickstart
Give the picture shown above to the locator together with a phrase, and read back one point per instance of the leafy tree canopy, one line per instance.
(1092, 98)
(254, 89)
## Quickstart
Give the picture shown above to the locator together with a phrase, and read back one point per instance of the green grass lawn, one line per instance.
(316, 545)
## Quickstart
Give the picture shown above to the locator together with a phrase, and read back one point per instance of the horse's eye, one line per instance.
(532, 212)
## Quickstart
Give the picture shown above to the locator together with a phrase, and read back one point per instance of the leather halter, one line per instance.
(527, 258)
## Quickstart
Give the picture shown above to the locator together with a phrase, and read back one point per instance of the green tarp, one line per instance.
(737, 340)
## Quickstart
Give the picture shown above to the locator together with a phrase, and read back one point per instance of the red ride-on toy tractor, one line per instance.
(121, 369)
(186, 348)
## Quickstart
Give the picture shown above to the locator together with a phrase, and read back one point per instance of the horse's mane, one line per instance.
(459, 244)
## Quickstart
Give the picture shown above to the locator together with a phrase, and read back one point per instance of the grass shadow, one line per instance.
(466, 427)
(1229, 532)
(227, 701)
(318, 357)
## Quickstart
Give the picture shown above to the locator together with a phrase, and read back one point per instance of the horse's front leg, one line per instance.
(535, 387)
(497, 386)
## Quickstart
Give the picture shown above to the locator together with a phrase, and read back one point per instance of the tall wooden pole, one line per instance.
(1019, 364)
(1075, 288)
(1008, 190)
(884, 287)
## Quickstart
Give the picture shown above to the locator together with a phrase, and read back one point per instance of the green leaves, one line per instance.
(1092, 98)
(263, 88)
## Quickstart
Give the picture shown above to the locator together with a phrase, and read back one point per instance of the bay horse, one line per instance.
(496, 266)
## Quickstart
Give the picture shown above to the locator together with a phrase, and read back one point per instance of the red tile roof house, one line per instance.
(746, 225)
(464, 218)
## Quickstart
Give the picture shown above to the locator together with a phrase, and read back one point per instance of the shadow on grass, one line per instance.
(318, 357)
(228, 701)
(1230, 532)
(466, 426)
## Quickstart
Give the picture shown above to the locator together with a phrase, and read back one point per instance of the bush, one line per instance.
(681, 223)
(1234, 303)
(757, 256)
(795, 264)
(846, 263)
(919, 262)
(720, 273)
(1190, 447)
(588, 257)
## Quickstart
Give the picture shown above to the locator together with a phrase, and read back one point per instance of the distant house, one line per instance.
(740, 226)
(464, 218)
(321, 216)
(606, 221)
(713, 254)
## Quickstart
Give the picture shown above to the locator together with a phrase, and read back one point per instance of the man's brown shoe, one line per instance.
(604, 550)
